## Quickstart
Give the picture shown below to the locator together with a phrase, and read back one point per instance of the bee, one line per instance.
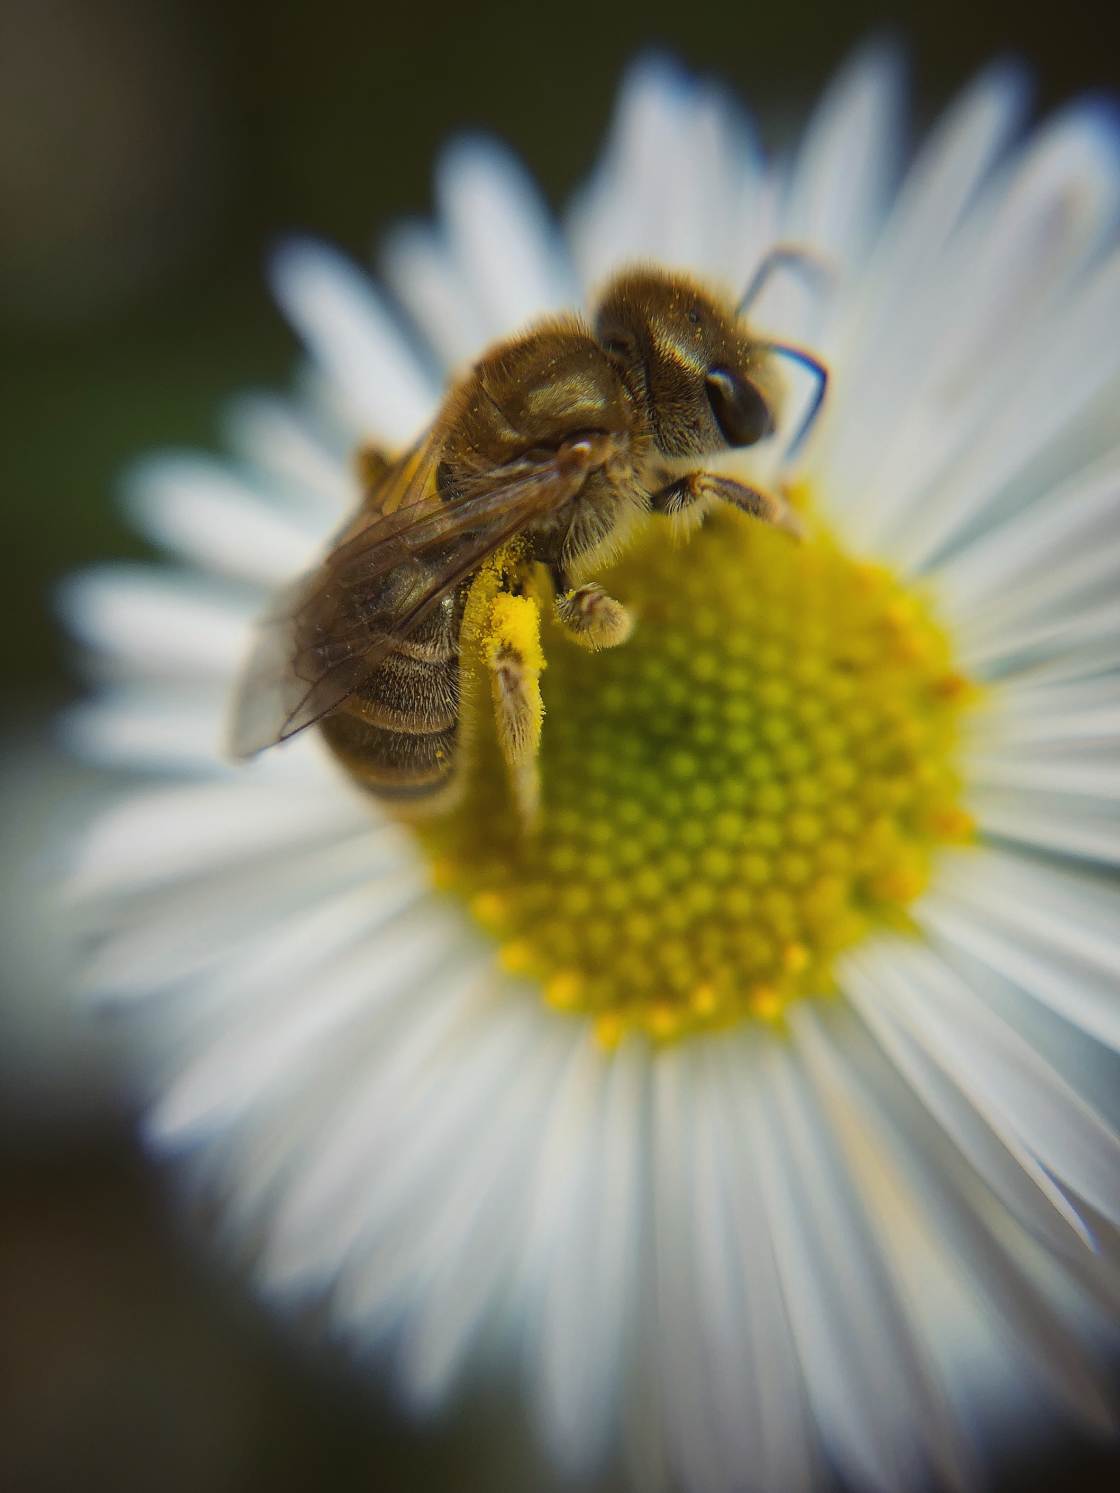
(552, 448)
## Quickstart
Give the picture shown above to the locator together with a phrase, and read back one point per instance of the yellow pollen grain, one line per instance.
(759, 778)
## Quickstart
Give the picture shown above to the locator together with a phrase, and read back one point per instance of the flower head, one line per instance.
(752, 1102)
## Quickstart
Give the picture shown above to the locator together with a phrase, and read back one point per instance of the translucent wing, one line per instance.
(332, 628)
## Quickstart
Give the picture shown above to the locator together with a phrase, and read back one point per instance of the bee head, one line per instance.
(687, 359)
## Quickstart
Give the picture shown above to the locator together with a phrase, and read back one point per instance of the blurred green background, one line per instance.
(150, 153)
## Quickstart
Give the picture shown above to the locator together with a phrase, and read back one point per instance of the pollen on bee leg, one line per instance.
(512, 651)
(592, 618)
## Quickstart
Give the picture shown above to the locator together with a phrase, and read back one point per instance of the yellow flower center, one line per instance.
(753, 782)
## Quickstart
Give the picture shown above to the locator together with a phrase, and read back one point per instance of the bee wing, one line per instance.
(323, 639)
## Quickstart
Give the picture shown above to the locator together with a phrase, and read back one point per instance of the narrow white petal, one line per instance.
(161, 622)
(787, 1454)
(200, 510)
(1024, 721)
(987, 1254)
(583, 1278)
(1044, 775)
(153, 730)
(914, 996)
(1070, 911)
(395, 1079)
(875, 336)
(687, 1407)
(1073, 613)
(721, 1322)
(428, 281)
(613, 221)
(984, 582)
(163, 834)
(1040, 615)
(416, 1152)
(848, 159)
(1055, 380)
(890, 1202)
(500, 233)
(1081, 997)
(275, 437)
(339, 315)
(967, 331)
(864, 1383)
(681, 182)
(1015, 1176)
(466, 1251)
(1047, 822)
(157, 941)
(256, 1049)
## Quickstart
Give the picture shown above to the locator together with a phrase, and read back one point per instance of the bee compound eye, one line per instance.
(739, 408)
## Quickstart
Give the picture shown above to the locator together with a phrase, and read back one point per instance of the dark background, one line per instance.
(150, 152)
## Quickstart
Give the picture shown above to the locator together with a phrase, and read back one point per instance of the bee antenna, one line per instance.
(784, 256)
(812, 364)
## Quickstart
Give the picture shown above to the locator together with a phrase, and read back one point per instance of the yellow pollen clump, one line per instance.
(757, 779)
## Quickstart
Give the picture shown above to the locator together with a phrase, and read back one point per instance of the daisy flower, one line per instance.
(751, 1115)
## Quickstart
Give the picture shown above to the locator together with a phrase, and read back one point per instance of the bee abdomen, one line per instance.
(406, 694)
(397, 735)
(392, 764)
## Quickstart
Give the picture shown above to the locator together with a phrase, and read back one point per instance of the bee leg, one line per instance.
(512, 652)
(695, 492)
(589, 616)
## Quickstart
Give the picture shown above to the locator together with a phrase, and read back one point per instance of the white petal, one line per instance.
(500, 234)
(787, 1453)
(1048, 822)
(1070, 911)
(203, 512)
(1014, 1175)
(168, 833)
(584, 1266)
(392, 1084)
(276, 438)
(150, 729)
(160, 622)
(993, 1266)
(466, 1252)
(429, 283)
(688, 1406)
(158, 941)
(848, 159)
(989, 584)
(417, 1152)
(339, 315)
(1020, 1096)
(680, 183)
(264, 1056)
(1054, 381)
(1044, 775)
(863, 1381)
(875, 336)
(967, 331)
(1081, 997)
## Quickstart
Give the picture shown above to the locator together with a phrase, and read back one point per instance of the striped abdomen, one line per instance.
(397, 735)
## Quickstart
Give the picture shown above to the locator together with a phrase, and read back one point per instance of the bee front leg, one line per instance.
(588, 615)
(693, 493)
